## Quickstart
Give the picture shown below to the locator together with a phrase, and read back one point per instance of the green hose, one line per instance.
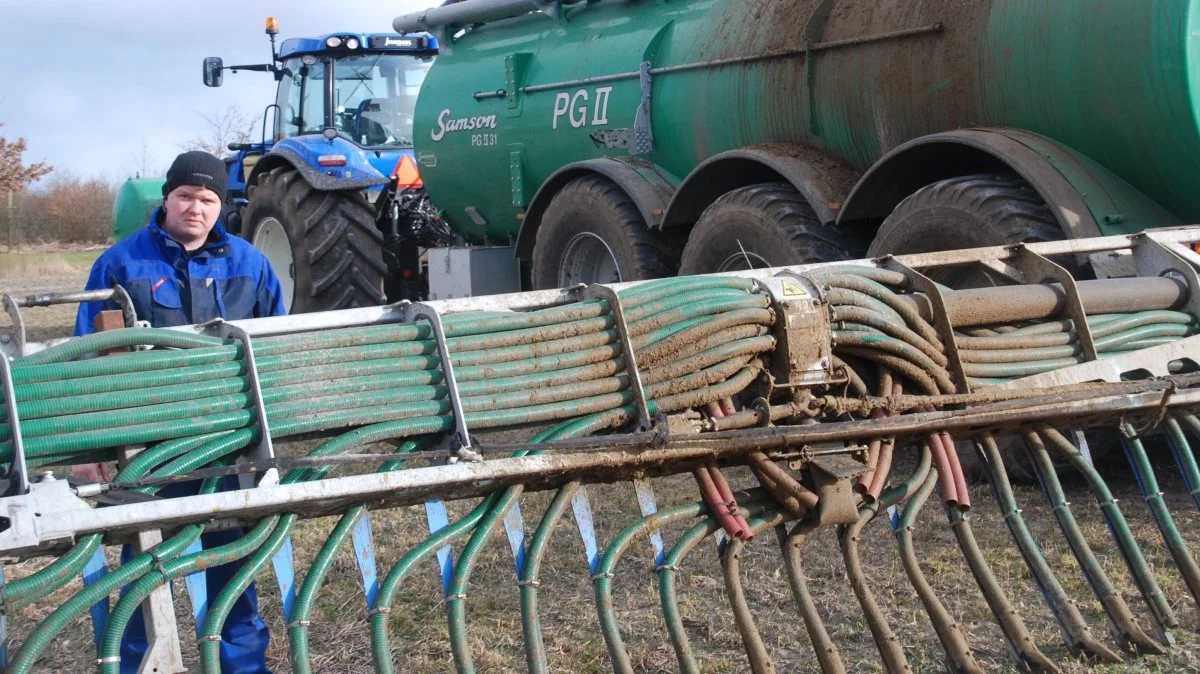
(49, 628)
(134, 595)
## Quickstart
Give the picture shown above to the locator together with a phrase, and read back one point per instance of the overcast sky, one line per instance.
(89, 83)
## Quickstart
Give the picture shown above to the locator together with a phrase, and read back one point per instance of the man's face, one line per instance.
(190, 213)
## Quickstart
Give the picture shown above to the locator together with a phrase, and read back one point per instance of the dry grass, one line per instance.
(46, 263)
(34, 272)
(339, 636)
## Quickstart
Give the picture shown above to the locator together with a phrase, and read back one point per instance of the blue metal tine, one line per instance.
(284, 564)
(646, 502)
(97, 568)
(364, 552)
(581, 507)
(435, 513)
(514, 526)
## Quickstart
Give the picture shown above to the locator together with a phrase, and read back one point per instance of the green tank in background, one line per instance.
(135, 201)
(625, 139)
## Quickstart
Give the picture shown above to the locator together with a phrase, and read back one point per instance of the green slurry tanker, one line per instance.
(627, 139)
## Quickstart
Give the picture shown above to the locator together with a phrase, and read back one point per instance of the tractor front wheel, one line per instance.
(323, 246)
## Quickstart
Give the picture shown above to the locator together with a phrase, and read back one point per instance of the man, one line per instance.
(183, 268)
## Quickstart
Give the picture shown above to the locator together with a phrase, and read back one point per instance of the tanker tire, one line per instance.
(592, 232)
(336, 250)
(764, 225)
(966, 212)
(971, 212)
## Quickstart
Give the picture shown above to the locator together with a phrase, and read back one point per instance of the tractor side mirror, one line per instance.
(213, 65)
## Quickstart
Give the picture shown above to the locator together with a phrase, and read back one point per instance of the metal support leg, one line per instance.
(264, 450)
(941, 318)
(163, 654)
(420, 310)
(19, 472)
(609, 295)
(1038, 269)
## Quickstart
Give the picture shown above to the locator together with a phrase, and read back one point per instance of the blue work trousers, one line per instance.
(244, 638)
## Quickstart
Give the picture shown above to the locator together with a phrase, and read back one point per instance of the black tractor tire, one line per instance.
(592, 232)
(966, 212)
(336, 258)
(763, 225)
(970, 212)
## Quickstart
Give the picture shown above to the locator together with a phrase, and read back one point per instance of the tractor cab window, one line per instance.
(375, 95)
(301, 98)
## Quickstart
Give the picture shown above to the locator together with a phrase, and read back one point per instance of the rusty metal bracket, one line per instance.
(1153, 258)
(14, 313)
(12, 306)
(1037, 269)
(597, 291)
(941, 317)
(420, 310)
(834, 476)
(264, 450)
(19, 469)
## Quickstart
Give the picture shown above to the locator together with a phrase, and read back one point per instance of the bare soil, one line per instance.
(339, 635)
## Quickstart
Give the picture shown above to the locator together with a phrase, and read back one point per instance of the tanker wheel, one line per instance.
(971, 212)
(966, 212)
(764, 225)
(592, 232)
(323, 246)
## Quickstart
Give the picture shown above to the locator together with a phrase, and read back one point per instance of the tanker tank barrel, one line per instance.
(694, 414)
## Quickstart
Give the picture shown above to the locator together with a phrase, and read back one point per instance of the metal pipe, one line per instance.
(461, 13)
(1008, 304)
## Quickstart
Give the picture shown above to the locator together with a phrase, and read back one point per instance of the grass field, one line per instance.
(339, 635)
(46, 263)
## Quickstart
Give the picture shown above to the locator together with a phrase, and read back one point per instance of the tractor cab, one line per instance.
(332, 196)
(360, 87)
(340, 82)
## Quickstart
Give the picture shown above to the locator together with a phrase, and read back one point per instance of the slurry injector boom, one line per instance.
(817, 381)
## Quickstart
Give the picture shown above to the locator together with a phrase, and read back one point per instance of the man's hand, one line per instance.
(92, 472)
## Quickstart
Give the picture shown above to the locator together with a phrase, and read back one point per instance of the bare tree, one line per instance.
(144, 163)
(232, 125)
(15, 174)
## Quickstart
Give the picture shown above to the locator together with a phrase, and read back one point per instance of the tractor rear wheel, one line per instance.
(592, 232)
(764, 225)
(323, 246)
(971, 212)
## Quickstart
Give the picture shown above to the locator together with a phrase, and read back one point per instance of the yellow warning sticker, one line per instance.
(793, 289)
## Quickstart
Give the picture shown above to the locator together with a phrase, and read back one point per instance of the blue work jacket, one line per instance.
(225, 278)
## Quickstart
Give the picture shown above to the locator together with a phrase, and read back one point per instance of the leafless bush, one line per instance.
(67, 209)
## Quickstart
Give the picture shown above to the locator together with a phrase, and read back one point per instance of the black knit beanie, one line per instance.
(197, 168)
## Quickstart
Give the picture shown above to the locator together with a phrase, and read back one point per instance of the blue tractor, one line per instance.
(333, 196)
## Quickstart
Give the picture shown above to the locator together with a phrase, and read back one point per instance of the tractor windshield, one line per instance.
(374, 95)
